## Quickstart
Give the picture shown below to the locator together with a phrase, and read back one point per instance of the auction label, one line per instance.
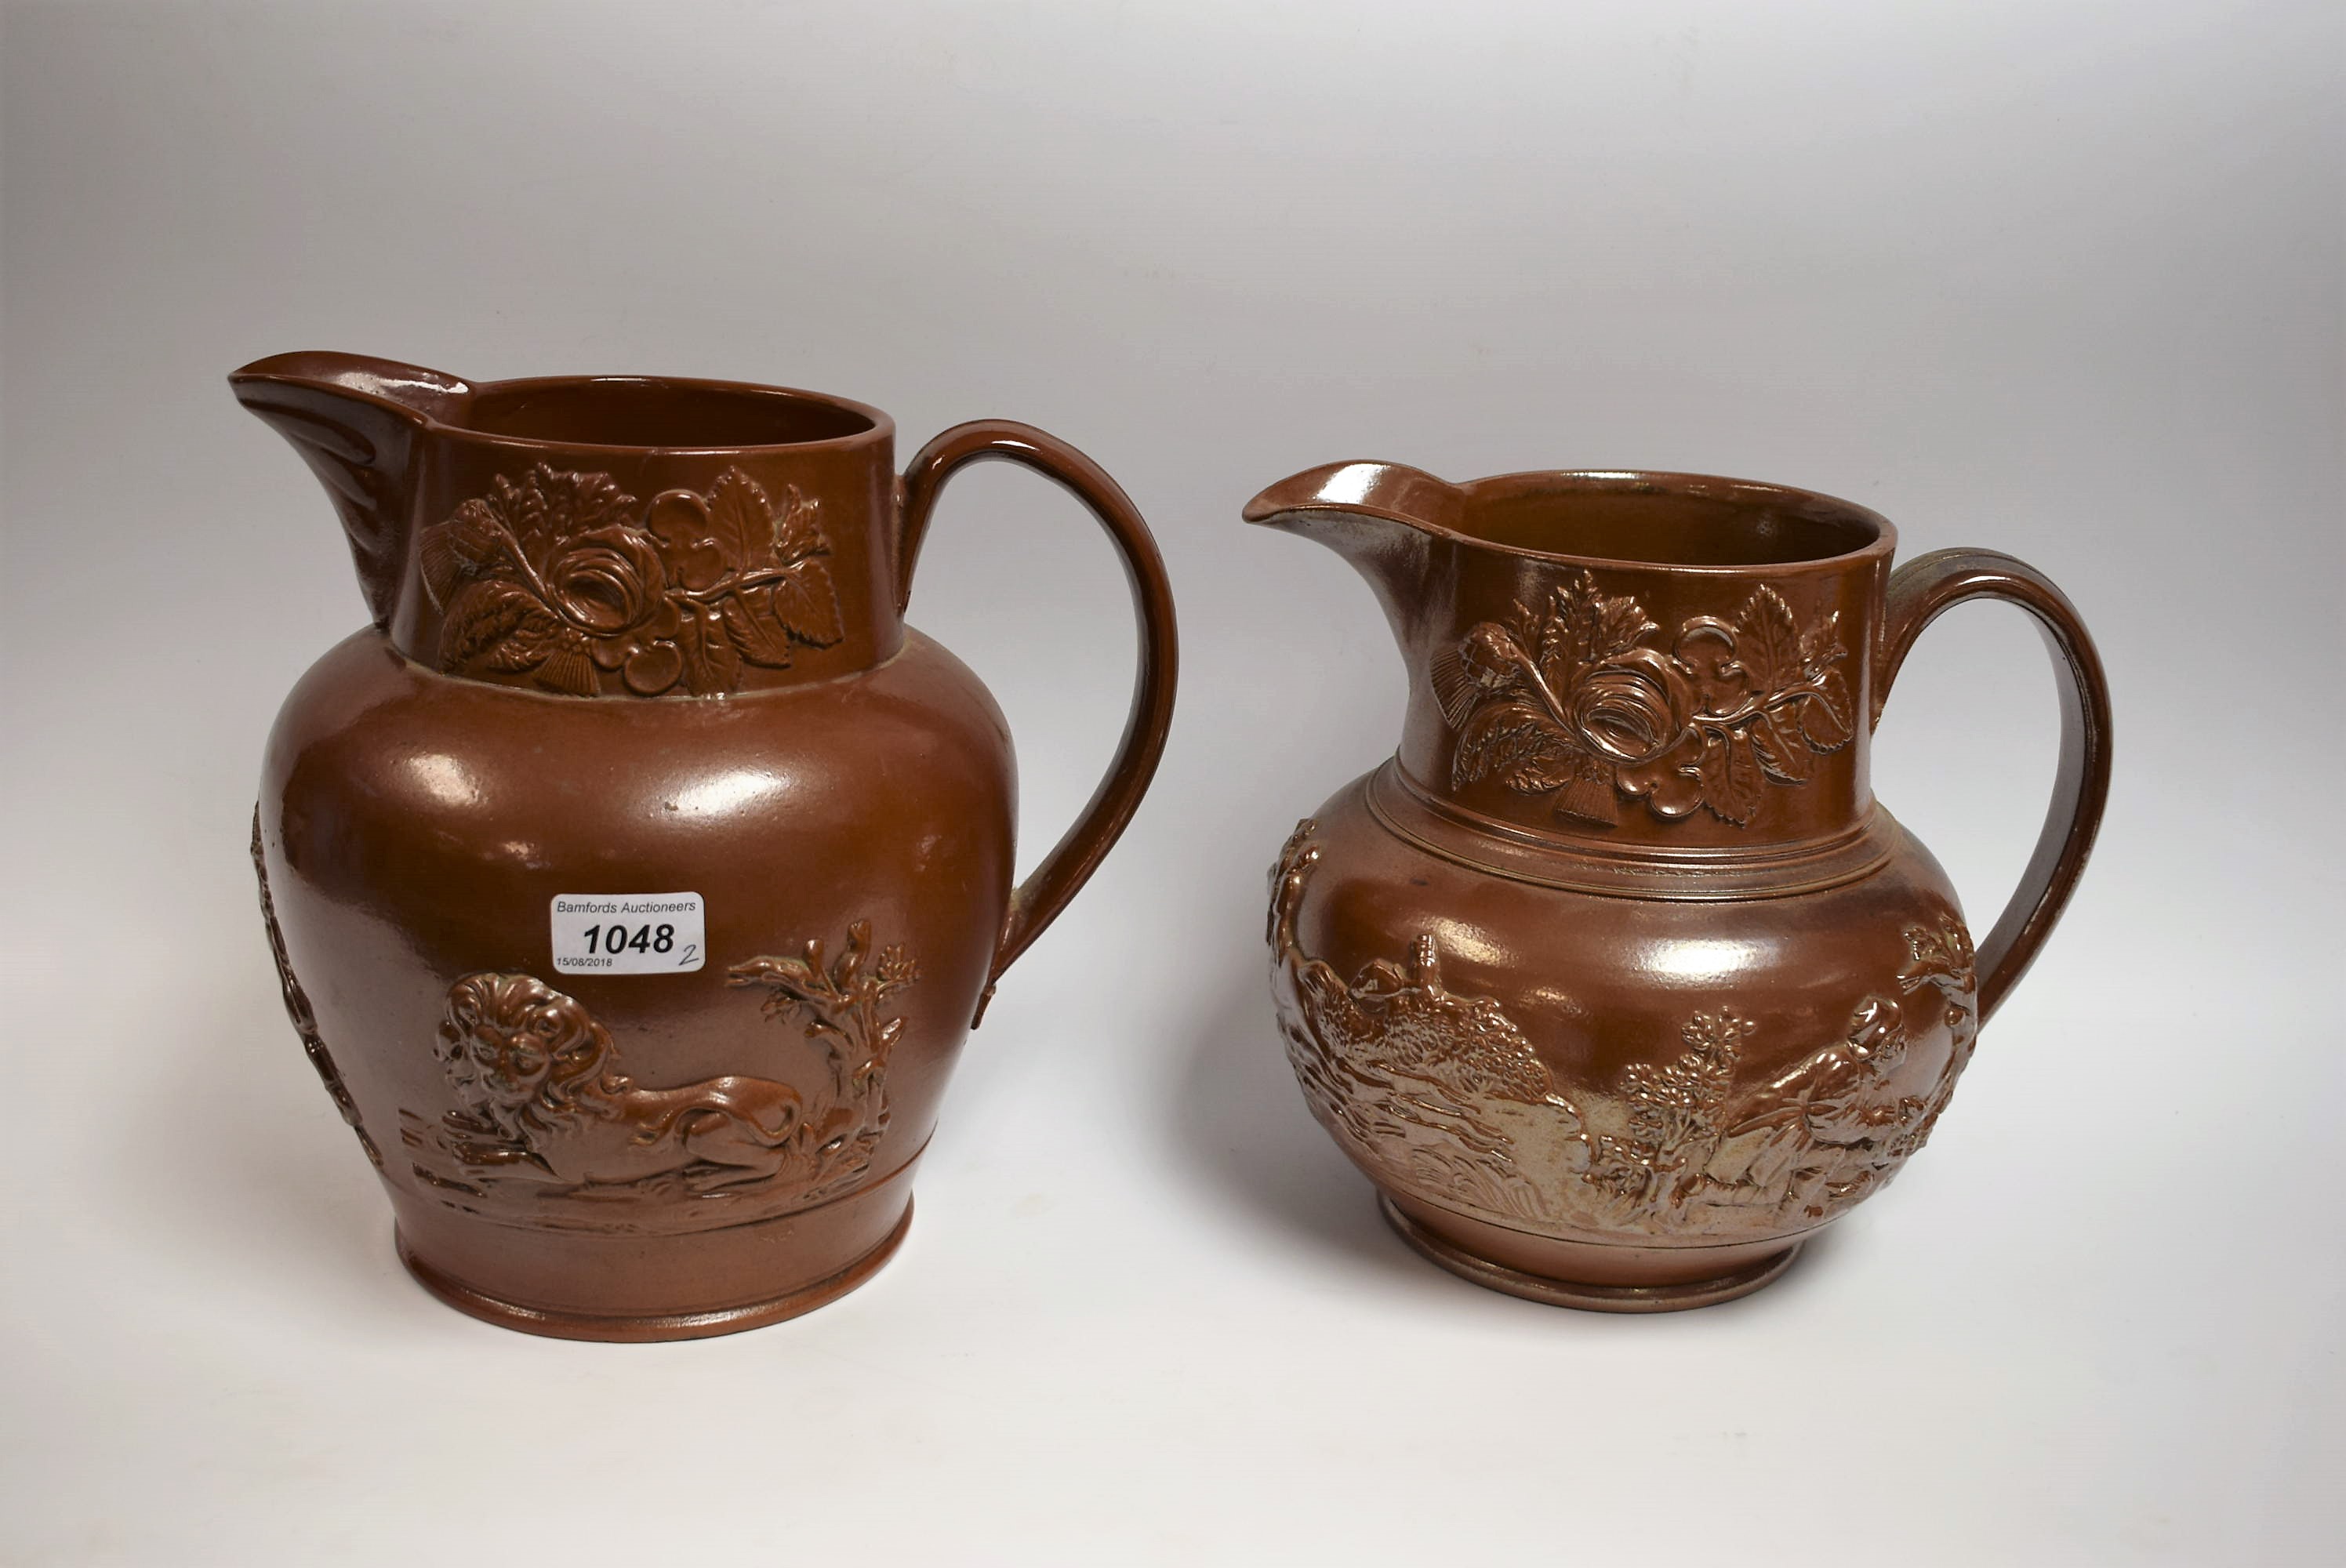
(629, 933)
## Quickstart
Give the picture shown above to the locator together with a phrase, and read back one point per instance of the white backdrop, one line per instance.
(2059, 279)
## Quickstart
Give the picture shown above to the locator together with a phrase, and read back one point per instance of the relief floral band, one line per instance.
(1572, 702)
(554, 579)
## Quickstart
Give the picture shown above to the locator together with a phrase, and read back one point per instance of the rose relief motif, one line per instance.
(555, 579)
(1573, 702)
(546, 1124)
(1443, 1096)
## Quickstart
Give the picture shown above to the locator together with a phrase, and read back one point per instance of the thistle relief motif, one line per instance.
(547, 1122)
(555, 579)
(1444, 1096)
(1573, 701)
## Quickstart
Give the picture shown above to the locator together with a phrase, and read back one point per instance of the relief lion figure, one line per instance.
(541, 1101)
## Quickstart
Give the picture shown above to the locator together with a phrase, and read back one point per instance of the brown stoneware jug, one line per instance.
(635, 878)
(1615, 979)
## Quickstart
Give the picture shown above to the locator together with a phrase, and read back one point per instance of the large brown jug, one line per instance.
(636, 877)
(1615, 979)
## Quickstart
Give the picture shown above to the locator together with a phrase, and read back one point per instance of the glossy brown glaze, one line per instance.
(1615, 979)
(637, 638)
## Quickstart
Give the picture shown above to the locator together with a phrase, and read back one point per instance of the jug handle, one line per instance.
(1039, 899)
(1919, 592)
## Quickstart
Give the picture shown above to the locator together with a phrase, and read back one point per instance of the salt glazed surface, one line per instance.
(1615, 980)
(631, 636)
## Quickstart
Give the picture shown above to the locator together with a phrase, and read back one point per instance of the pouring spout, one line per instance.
(356, 421)
(1386, 519)
(1384, 491)
(410, 390)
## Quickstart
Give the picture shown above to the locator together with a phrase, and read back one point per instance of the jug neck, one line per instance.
(1655, 708)
(603, 537)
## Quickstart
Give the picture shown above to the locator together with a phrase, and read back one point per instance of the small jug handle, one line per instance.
(1039, 899)
(1919, 592)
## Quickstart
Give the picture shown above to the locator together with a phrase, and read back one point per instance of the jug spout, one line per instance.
(356, 422)
(1384, 518)
(1318, 498)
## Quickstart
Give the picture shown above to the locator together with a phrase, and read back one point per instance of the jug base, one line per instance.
(649, 1328)
(1673, 1297)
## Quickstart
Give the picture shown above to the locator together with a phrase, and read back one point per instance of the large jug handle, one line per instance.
(1039, 899)
(1919, 592)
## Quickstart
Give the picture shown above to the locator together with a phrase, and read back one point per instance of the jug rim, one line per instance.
(455, 408)
(874, 425)
(1814, 506)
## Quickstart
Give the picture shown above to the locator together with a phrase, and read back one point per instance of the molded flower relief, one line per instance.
(1575, 702)
(554, 579)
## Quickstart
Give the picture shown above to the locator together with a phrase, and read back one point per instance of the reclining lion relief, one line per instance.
(547, 1124)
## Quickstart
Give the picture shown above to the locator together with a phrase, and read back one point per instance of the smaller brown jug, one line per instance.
(634, 880)
(1615, 979)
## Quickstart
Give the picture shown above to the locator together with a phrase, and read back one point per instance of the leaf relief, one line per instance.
(557, 578)
(1578, 703)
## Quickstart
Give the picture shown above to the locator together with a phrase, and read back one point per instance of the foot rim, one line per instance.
(1493, 1276)
(637, 1329)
